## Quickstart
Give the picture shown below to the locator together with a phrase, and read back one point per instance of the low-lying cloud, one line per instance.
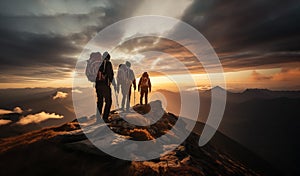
(77, 91)
(15, 110)
(18, 110)
(60, 95)
(4, 122)
(259, 77)
(37, 118)
(289, 77)
(4, 111)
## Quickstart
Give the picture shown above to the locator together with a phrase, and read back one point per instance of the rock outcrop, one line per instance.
(65, 150)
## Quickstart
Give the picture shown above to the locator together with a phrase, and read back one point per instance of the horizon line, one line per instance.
(203, 90)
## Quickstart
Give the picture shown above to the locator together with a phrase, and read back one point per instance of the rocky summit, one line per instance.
(66, 150)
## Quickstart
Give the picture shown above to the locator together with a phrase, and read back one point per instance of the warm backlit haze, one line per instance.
(42, 41)
(275, 79)
(45, 46)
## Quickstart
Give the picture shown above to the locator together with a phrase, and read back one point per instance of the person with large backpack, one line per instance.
(104, 79)
(125, 80)
(92, 67)
(143, 87)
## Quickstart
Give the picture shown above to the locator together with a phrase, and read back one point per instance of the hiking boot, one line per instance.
(106, 120)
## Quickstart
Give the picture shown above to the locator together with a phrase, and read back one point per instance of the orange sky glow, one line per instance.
(239, 80)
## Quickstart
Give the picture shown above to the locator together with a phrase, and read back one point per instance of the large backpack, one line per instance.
(145, 81)
(92, 67)
(125, 75)
(121, 74)
(102, 72)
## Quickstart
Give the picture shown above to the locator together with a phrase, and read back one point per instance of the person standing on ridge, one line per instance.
(104, 79)
(125, 79)
(143, 87)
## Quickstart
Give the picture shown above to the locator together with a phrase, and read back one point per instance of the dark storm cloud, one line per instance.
(231, 61)
(249, 33)
(258, 60)
(22, 48)
(33, 55)
(245, 34)
(37, 46)
(160, 50)
(42, 40)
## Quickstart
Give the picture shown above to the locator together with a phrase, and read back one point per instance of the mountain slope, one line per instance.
(65, 150)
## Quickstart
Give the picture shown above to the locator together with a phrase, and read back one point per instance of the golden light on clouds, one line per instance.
(239, 80)
(39, 117)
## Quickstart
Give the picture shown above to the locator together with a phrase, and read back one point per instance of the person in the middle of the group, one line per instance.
(125, 79)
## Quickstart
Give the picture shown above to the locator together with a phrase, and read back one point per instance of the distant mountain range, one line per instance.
(249, 94)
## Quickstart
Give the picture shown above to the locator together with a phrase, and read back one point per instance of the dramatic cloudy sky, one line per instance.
(257, 41)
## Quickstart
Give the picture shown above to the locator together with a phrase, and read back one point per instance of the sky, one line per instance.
(256, 41)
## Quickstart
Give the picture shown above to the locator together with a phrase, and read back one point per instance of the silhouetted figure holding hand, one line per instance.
(143, 86)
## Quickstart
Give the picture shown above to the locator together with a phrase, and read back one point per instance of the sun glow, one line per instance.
(237, 81)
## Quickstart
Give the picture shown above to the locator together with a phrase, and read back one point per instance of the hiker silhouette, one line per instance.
(143, 87)
(125, 80)
(104, 79)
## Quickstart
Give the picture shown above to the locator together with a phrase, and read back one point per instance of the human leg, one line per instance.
(128, 99)
(99, 101)
(108, 102)
(146, 96)
(142, 95)
(124, 95)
